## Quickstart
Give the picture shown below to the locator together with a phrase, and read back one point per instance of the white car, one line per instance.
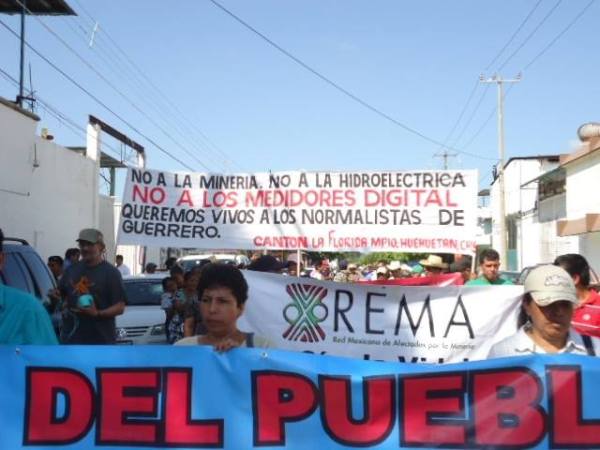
(190, 261)
(143, 321)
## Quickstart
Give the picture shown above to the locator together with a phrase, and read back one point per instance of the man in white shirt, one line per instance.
(545, 319)
(122, 267)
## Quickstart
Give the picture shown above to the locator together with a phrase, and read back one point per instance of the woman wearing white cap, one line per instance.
(545, 319)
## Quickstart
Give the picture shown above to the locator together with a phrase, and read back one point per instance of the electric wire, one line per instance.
(528, 66)
(141, 74)
(97, 100)
(460, 116)
(471, 95)
(530, 35)
(59, 115)
(514, 35)
(113, 87)
(471, 117)
(337, 86)
(135, 87)
(559, 35)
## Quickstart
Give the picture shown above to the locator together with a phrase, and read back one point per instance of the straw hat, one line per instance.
(434, 261)
(395, 265)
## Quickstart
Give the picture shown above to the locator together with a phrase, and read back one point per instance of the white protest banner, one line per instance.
(392, 323)
(418, 211)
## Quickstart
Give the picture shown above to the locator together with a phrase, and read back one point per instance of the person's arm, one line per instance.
(112, 311)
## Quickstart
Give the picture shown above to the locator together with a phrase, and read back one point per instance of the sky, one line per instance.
(186, 76)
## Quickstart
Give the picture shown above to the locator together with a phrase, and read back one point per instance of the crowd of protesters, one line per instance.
(560, 311)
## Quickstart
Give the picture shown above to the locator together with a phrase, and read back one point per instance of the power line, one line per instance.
(514, 35)
(335, 85)
(530, 35)
(476, 85)
(111, 64)
(527, 66)
(471, 117)
(59, 115)
(142, 75)
(113, 87)
(559, 35)
(460, 116)
(97, 100)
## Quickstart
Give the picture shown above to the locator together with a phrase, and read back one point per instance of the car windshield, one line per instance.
(143, 292)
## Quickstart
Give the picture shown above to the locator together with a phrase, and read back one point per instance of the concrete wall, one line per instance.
(589, 246)
(534, 240)
(47, 192)
(583, 176)
(582, 179)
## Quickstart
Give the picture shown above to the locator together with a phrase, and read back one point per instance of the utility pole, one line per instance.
(22, 61)
(445, 155)
(499, 81)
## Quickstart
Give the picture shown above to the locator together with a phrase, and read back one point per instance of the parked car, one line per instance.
(24, 269)
(143, 321)
(190, 261)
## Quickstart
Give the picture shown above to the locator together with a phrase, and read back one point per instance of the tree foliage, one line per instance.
(373, 258)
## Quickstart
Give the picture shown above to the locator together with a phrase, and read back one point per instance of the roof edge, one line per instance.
(17, 108)
(586, 148)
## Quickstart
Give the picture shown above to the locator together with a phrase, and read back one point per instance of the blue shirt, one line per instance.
(23, 319)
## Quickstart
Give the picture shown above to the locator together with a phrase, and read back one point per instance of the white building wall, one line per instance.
(583, 176)
(47, 192)
(529, 237)
(589, 246)
(532, 237)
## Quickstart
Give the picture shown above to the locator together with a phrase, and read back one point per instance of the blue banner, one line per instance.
(190, 397)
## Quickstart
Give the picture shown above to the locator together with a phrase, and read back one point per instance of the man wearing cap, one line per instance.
(545, 318)
(23, 319)
(489, 270)
(94, 294)
(434, 265)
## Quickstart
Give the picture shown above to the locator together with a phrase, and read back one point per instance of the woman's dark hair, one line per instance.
(523, 317)
(224, 275)
(575, 264)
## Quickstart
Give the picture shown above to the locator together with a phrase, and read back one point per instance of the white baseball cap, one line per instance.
(548, 284)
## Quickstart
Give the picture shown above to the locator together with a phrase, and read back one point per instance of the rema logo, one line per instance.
(305, 312)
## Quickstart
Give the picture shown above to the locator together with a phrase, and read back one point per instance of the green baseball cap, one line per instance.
(91, 235)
